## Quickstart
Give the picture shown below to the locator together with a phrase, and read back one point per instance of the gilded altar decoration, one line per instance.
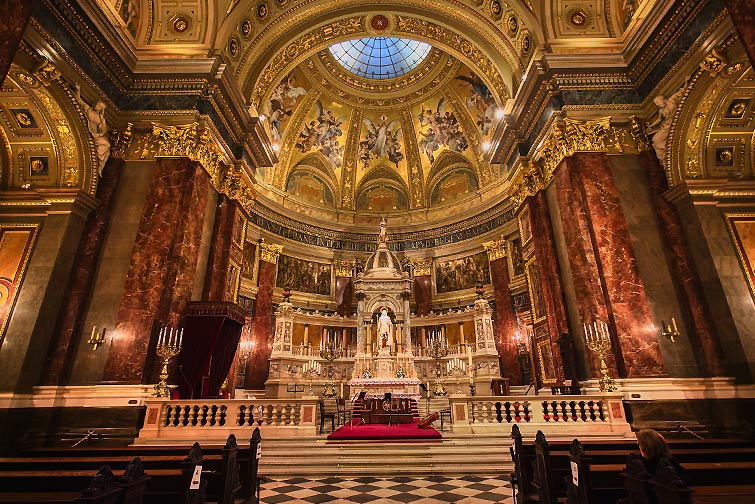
(422, 267)
(496, 249)
(120, 141)
(714, 62)
(270, 251)
(192, 141)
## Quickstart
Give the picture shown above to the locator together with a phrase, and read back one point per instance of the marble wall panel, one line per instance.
(69, 327)
(700, 344)
(161, 273)
(262, 328)
(423, 294)
(216, 277)
(505, 321)
(16, 14)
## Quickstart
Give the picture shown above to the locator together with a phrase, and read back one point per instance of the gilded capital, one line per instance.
(192, 141)
(270, 251)
(496, 249)
(422, 266)
(343, 268)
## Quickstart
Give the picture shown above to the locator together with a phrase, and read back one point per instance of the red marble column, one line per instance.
(423, 294)
(216, 278)
(262, 328)
(607, 248)
(16, 15)
(705, 342)
(743, 16)
(550, 274)
(505, 321)
(68, 327)
(160, 278)
(344, 296)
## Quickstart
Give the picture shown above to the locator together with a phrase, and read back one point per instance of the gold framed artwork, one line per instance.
(16, 243)
(742, 229)
(545, 357)
(525, 225)
(535, 286)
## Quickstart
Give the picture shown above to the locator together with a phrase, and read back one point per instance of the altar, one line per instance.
(407, 388)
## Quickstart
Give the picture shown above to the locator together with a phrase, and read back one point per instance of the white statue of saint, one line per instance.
(384, 328)
(97, 127)
(660, 127)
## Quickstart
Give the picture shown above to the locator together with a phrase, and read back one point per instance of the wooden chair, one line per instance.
(324, 415)
(343, 411)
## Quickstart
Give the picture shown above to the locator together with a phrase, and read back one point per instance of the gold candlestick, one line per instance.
(598, 340)
(168, 346)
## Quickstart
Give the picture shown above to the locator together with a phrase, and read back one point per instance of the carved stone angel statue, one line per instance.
(660, 127)
(97, 127)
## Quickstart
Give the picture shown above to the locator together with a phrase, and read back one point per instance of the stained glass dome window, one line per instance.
(380, 57)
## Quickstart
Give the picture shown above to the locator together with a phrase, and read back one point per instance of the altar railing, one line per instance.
(556, 415)
(213, 420)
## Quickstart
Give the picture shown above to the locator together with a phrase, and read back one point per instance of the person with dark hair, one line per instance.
(653, 448)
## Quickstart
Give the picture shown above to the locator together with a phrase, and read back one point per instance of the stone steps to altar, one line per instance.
(314, 457)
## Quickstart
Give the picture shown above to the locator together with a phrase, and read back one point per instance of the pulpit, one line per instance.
(211, 337)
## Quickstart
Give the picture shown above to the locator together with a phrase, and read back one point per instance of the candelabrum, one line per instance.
(457, 371)
(97, 339)
(310, 370)
(329, 352)
(168, 346)
(437, 350)
(598, 340)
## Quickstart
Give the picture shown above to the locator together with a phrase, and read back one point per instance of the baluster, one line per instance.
(517, 416)
(573, 408)
(194, 415)
(176, 415)
(285, 420)
(546, 416)
(203, 422)
(507, 406)
(498, 415)
(168, 411)
(591, 409)
(213, 413)
(563, 412)
(527, 411)
(601, 411)
(223, 409)
(241, 419)
(554, 410)
(582, 412)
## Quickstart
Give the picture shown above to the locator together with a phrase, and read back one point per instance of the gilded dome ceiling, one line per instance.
(413, 138)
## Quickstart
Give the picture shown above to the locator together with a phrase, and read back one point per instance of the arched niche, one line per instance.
(456, 183)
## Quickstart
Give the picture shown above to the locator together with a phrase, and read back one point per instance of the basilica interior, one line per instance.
(251, 205)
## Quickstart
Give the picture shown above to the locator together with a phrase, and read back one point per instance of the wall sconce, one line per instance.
(97, 339)
(670, 330)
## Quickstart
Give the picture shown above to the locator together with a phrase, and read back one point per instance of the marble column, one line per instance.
(216, 277)
(743, 16)
(69, 326)
(344, 294)
(262, 324)
(160, 278)
(423, 285)
(705, 341)
(604, 268)
(547, 261)
(16, 15)
(505, 321)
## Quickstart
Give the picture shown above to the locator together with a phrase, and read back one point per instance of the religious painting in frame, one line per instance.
(304, 276)
(545, 357)
(462, 273)
(16, 242)
(525, 226)
(537, 297)
(742, 230)
(249, 254)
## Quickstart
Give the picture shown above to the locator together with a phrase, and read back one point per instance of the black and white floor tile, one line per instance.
(431, 490)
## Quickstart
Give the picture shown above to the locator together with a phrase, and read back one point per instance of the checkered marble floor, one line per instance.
(466, 489)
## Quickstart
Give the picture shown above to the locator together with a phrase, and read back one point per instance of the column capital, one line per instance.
(496, 249)
(422, 266)
(270, 251)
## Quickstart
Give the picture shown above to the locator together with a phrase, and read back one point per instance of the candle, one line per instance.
(180, 337)
(673, 322)
(469, 356)
(94, 329)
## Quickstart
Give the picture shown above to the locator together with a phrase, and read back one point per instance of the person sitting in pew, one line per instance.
(653, 448)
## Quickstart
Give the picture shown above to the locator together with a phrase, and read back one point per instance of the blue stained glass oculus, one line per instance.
(380, 57)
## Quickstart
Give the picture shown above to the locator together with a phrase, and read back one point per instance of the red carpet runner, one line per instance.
(406, 431)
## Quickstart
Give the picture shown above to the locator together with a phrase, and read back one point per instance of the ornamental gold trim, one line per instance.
(343, 268)
(422, 267)
(270, 251)
(496, 249)
(567, 136)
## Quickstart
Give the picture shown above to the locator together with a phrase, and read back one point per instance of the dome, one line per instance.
(380, 57)
(382, 263)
